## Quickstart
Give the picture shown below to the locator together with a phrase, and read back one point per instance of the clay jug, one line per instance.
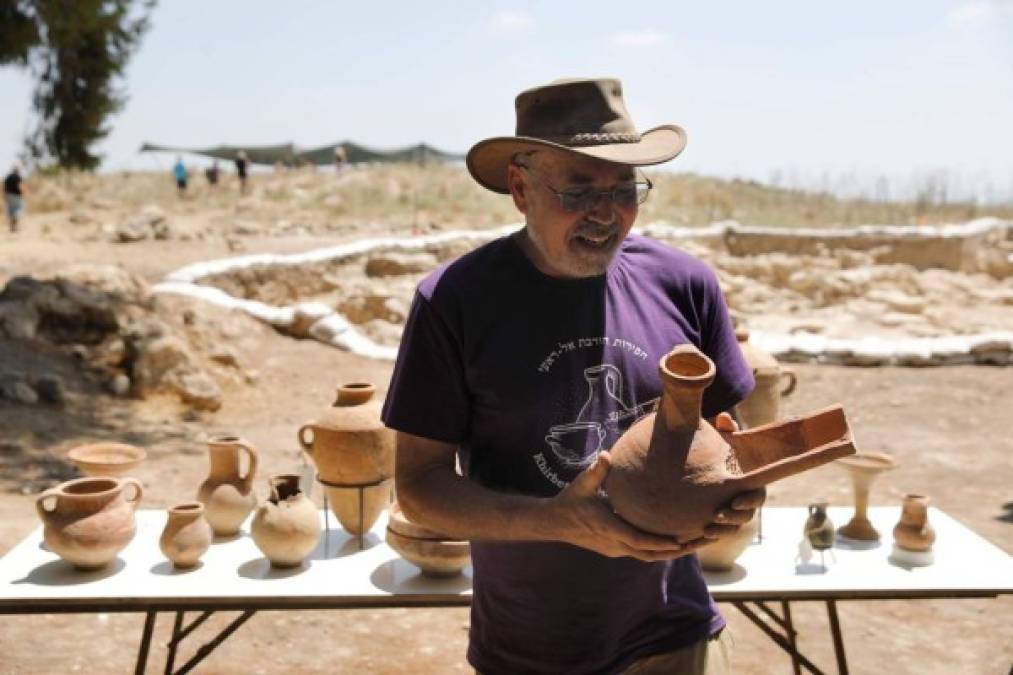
(286, 527)
(348, 443)
(228, 496)
(672, 470)
(914, 532)
(89, 520)
(186, 535)
(763, 404)
(819, 529)
(720, 556)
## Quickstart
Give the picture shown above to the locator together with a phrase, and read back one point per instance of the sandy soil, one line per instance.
(942, 424)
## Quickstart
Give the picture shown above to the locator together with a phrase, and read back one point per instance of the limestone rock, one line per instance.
(199, 391)
(50, 389)
(395, 263)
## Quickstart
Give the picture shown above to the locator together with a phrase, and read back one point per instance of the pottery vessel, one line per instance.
(286, 527)
(672, 470)
(88, 521)
(433, 553)
(357, 508)
(722, 554)
(773, 382)
(914, 532)
(863, 469)
(106, 459)
(348, 443)
(819, 529)
(227, 494)
(186, 536)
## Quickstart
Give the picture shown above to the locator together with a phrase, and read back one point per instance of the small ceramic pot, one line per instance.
(186, 536)
(286, 527)
(819, 529)
(914, 532)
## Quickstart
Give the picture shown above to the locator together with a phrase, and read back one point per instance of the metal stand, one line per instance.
(781, 630)
(361, 525)
(178, 634)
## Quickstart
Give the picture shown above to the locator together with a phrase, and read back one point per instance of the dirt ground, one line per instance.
(943, 425)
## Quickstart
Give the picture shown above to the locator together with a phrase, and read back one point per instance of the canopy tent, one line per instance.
(288, 154)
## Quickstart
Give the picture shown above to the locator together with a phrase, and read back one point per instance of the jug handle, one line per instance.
(792, 381)
(251, 470)
(42, 510)
(306, 445)
(135, 502)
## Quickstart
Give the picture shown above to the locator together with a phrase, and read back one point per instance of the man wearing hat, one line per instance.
(526, 359)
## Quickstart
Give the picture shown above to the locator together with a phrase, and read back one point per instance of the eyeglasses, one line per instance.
(577, 200)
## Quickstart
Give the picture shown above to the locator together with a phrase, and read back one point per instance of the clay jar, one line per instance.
(763, 404)
(672, 470)
(89, 520)
(286, 527)
(349, 444)
(358, 508)
(228, 496)
(186, 536)
(434, 553)
(914, 532)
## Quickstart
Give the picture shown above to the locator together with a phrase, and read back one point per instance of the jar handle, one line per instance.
(251, 470)
(40, 507)
(138, 489)
(306, 445)
(792, 381)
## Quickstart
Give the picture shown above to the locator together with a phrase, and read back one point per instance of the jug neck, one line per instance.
(685, 375)
(354, 393)
(284, 486)
(223, 456)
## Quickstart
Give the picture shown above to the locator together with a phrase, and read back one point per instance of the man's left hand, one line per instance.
(743, 506)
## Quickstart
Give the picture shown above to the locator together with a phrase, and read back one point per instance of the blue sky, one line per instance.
(798, 92)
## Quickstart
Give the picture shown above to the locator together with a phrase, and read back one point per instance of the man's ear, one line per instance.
(515, 181)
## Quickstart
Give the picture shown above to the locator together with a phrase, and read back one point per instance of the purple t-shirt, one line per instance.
(531, 376)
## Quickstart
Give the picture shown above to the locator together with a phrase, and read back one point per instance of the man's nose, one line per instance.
(603, 211)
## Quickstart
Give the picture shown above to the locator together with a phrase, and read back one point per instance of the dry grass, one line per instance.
(445, 196)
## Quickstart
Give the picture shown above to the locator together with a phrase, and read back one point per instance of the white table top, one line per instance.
(234, 574)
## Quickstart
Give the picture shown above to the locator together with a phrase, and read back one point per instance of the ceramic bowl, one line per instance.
(106, 459)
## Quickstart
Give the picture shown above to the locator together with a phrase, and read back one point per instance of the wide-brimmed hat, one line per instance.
(582, 116)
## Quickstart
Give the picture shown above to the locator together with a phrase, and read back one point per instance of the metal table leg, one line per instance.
(778, 639)
(170, 656)
(835, 631)
(790, 630)
(142, 652)
(206, 649)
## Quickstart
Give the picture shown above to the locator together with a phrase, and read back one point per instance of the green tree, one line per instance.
(77, 51)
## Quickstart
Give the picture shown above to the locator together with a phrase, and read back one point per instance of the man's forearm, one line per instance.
(460, 508)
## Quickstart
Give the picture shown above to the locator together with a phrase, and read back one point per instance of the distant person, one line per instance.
(340, 158)
(179, 170)
(241, 170)
(212, 173)
(13, 192)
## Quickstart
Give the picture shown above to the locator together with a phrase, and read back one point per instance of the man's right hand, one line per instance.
(586, 519)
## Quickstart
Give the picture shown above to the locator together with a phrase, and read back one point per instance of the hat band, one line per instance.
(592, 138)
